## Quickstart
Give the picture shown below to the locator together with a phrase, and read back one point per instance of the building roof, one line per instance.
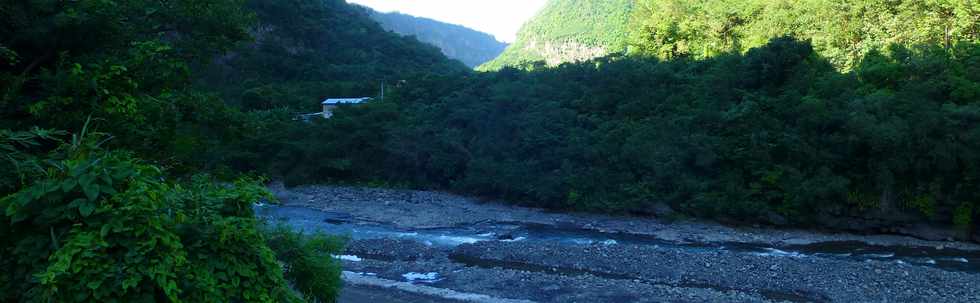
(334, 101)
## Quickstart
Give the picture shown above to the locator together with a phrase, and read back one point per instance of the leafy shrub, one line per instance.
(17, 163)
(102, 226)
(308, 261)
(963, 217)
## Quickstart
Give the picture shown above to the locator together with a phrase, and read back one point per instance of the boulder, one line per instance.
(929, 232)
(851, 224)
(776, 219)
(662, 210)
(507, 236)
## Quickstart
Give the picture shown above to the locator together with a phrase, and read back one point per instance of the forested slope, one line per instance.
(785, 131)
(457, 42)
(130, 132)
(305, 50)
(569, 31)
(777, 135)
(842, 31)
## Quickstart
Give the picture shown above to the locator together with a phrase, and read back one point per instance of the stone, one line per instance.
(661, 209)
(927, 232)
(776, 219)
(507, 236)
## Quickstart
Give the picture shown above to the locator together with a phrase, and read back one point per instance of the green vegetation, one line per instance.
(307, 50)
(466, 45)
(841, 31)
(867, 112)
(123, 64)
(737, 118)
(309, 263)
(775, 135)
(124, 214)
(569, 31)
(94, 225)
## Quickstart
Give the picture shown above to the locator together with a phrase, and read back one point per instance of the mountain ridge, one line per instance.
(307, 50)
(470, 46)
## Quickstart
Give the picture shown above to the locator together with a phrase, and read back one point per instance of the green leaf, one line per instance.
(86, 209)
(77, 202)
(68, 184)
(104, 231)
(91, 192)
(121, 174)
(16, 216)
(11, 207)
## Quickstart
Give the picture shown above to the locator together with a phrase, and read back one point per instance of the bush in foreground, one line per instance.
(91, 225)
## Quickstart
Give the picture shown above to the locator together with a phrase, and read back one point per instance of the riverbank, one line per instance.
(425, 209)
(447, 247)
(356, 293)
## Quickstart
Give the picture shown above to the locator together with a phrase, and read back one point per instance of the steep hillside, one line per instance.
(96, 95)
(569, 31)
(457, 42)
(842, 31)
(305, 50)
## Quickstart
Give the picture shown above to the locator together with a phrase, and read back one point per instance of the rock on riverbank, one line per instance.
(426, 209)
(684, 262)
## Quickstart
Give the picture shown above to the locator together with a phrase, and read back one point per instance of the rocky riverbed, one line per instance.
(446, 247)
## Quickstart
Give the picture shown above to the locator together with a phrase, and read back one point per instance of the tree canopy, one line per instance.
(777, 135)
(843, 31)
(307, 50)
(104, 137)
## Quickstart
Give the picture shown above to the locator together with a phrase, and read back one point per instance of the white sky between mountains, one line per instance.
(500, 18)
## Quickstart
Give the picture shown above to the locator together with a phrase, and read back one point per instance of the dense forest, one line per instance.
(841, 31)
(469, 46)
(776, 135)
(784, 131)
(135, 135)
(121, 123)
(303, 51)
(569, 31)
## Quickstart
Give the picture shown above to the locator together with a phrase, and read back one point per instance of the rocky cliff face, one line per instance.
(569, 31)
(558, 52)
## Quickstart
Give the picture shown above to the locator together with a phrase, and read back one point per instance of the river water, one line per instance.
(310, 220)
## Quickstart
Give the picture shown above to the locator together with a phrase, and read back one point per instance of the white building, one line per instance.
(330, 104)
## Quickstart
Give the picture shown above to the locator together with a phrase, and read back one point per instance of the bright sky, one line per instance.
(501, 18)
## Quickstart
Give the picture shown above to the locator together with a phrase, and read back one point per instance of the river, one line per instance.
(345, 225)
(446, 247)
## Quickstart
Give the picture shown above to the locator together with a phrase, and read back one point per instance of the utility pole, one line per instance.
(382, 90)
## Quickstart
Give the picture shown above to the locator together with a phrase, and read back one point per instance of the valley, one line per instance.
(616, 151)
(469, 46)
